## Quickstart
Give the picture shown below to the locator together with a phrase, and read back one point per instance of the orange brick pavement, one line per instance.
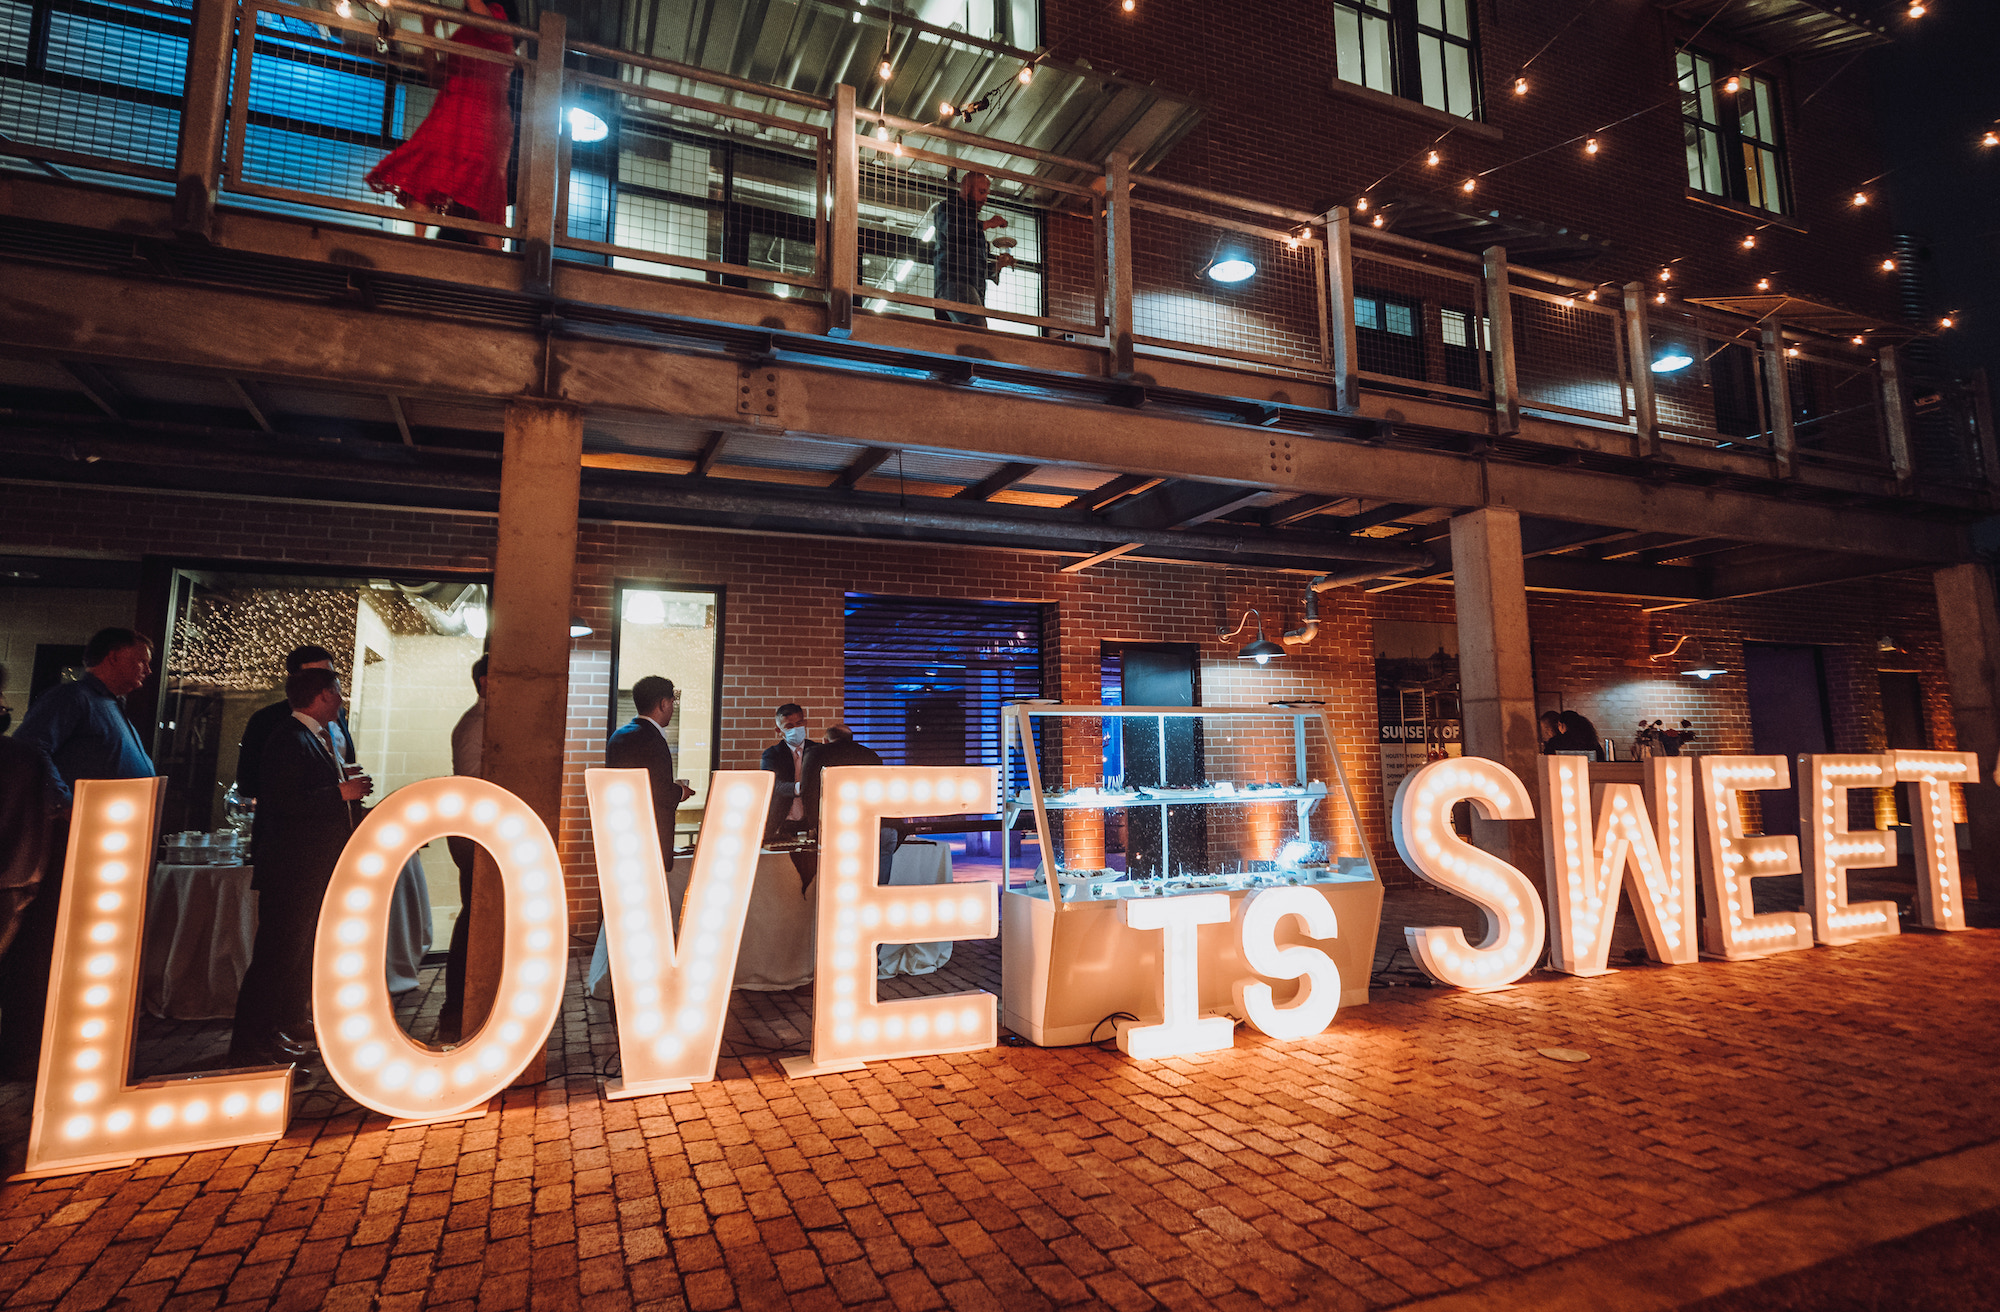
(1422, 1143)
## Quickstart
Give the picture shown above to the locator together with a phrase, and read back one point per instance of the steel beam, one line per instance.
(227, 334)
(997, 481)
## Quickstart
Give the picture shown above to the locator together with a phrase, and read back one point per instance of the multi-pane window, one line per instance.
(1421, 50)
(1735, 147)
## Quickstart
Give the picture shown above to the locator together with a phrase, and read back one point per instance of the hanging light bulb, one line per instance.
(881, 132)
(945, 109)
(1590, 146)
(1569, 302)
(1763, 284)
(1431, 159)
(1732, 84)
(1026, 75)
(1520, 86)
(1990, 139)
(1128, 6)
(1917, 9)
(1666, 274)
(344, 9)
(1860, 198)
(1888, 266)
(1749, 241)
(1945, 322)
(1361, 206)
(1857, 340)
(1660, 299)
(1468, 184)
(899, 146)
(887, 71)
(1592, 297)
(1378, 220)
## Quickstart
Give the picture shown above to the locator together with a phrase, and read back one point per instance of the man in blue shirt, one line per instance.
(79, 731)
(960, 260)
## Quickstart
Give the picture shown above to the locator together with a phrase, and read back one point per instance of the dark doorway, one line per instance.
(1164, 751)
(1906, 727)
(1788, 717)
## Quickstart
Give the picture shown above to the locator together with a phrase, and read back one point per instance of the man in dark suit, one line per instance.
(250, 754)
(841, 749)
(642, 745)
(786, 759)
(306, 809)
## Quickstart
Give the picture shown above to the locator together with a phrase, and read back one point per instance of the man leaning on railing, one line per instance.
(960, 259)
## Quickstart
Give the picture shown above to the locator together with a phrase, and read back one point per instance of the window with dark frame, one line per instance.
(1421, 50)
(1734, 140)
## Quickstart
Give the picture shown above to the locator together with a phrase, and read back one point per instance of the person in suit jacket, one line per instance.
(642, 745)
(250, 753)
(306, 809)
(841, 749)
(786, 759)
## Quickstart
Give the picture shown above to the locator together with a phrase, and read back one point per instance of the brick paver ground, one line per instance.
(1422, 1143)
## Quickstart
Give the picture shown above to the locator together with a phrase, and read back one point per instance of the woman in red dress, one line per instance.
(455, 163)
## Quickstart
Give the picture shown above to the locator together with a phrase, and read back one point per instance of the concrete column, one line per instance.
(527, 684)
(1970, 621)
(1495, 671)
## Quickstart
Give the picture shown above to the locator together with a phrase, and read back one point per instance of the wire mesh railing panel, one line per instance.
(661, 177)
(1224, 290)
(1421, 326)
(95, 85)
(922, 242)
(1944, 435)
(1708, 381)
(1569, 356)
(1836, 407)
(387, 123)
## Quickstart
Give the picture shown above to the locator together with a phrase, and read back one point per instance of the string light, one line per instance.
(1945, 322)
(1750, 241)
(1888, 266)
(1431, 158)
(1990, 139)
(1592, 297)
(1520, 86)
(1128, 6)
(1858, 341)
(1026, 75)
(1660, 299)
(1590, 146)
(1763, 284)
(1917, 9)
(1361, 206)
(945, 109)
(1468, 184)
(1791, 350)
(1666, 274)
(1732, 84)
(1378, 223)
(887, 71)
(1860, 198)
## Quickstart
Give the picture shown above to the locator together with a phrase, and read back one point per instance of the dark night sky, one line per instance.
(1936, 90)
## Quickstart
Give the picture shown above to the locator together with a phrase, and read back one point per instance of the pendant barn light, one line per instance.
(1230, 261)
(586, 127)
(1693, 660)
(578, 629)
(1260, 648)
(1672, 360)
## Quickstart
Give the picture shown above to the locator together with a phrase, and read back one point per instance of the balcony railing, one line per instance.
(659, 169)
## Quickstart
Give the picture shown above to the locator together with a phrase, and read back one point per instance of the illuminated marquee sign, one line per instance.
(1424, 837)
(857, 913)
(674, 988)
(85, 1115)
(365, 1050)
(1589, 861)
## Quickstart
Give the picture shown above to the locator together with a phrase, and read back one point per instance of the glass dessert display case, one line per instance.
(1156, 802)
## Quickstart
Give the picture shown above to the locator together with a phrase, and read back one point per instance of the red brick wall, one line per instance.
(783, 624)
(1274, 131)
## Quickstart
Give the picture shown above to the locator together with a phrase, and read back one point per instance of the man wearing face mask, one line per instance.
(786, 759)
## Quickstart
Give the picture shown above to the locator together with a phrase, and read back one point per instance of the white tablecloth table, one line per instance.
(777, 949)
(917, 862)
(201, 923)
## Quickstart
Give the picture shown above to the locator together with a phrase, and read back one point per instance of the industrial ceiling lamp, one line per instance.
(578, 629)
(1260, 648)
(1671, 360)
(1693, 660)
(1229, 262)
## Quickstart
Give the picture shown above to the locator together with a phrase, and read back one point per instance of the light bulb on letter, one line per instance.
(1424, 837)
